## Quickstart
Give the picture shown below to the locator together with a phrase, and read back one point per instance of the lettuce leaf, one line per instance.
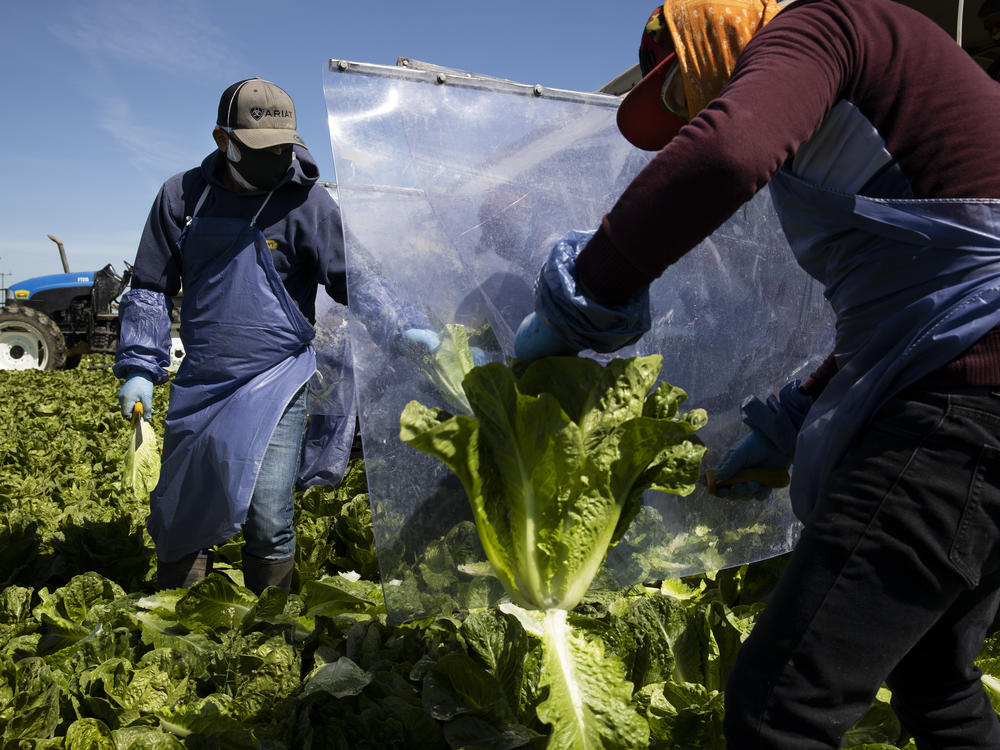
(142, 460)
(449, 364)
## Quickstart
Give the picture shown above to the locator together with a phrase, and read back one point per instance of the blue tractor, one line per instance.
(50, 322)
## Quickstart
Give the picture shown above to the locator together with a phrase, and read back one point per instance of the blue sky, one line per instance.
(108, 98)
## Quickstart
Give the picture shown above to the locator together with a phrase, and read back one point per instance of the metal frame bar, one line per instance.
(445, 76)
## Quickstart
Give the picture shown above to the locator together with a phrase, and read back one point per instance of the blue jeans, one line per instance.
(896, 580)
(269, 532)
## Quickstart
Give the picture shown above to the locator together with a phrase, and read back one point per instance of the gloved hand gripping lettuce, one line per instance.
(566, 320)
(554, 462)
(448, 364)
(142, 459)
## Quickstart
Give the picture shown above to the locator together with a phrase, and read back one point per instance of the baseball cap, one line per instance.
(642, 116)
(259, 113)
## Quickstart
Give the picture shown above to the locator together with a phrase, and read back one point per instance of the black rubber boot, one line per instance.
(184, 573)
(259, 573)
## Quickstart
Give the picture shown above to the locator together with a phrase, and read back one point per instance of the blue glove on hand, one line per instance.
(138, 387)
(536, 339)
(751, 451)
(421, 340)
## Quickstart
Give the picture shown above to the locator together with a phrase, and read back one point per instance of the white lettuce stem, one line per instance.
(556, 636)
(533, 569)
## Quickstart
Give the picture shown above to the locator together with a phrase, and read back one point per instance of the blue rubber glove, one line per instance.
(750, 451)
(536, 339)
(421, 340)
(138, 387)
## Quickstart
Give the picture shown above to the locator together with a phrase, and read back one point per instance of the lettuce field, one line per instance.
(92, 657)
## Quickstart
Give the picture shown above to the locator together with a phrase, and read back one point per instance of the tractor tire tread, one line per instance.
(55, 343)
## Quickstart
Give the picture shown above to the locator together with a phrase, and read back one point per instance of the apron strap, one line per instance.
(204, 195)
(197, 207)
(253, 221)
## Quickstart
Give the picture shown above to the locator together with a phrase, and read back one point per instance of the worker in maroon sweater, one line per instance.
(877, 136)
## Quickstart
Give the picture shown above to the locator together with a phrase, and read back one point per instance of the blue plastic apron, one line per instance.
(247, 353)
(913, 283)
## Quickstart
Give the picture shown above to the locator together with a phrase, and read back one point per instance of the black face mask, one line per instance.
(261, 168)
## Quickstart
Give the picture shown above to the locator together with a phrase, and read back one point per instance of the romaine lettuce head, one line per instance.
(555, 461)
(142, 460)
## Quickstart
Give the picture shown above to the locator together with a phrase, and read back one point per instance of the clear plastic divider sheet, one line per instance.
(453, 190)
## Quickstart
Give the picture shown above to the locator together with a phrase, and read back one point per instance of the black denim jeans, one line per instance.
(896, 580)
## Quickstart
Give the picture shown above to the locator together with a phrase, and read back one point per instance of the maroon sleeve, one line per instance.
(816, 382)
(776, 99)
(894, 64)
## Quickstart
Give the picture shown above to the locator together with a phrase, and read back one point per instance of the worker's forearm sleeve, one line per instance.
(144, 336)
(817, 380)
(605, 275)
(386, 316)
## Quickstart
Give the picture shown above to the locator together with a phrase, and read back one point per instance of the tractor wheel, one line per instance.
(30, 340)
(176, 352)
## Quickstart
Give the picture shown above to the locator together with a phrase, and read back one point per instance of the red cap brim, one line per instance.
(642, 119)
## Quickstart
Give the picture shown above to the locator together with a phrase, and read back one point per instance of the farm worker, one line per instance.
(877, 135)
(251, 234)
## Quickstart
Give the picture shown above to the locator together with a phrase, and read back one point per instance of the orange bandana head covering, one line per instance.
(702, 38)
(708, 36)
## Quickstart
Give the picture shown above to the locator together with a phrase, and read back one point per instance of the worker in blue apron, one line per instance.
(251, 235)
(876, 135)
